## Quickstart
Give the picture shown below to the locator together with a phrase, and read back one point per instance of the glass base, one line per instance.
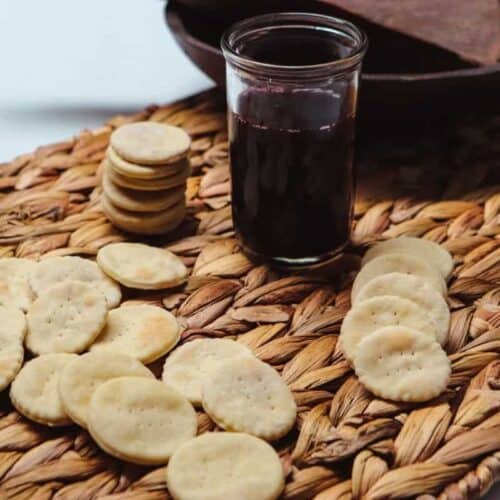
(294, 263)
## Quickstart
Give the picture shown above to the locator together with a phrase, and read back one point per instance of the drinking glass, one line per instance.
(292, 85)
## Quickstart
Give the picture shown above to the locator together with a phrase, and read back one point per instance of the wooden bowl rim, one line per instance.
(176, 24)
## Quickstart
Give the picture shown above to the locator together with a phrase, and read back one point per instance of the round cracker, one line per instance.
(54, 270)
(141, 266)
(148, 223)
(143, 331)
(160, 184)
(225, 465)
(14, 287)
(150, 143)
(83, 375)
(427, 250)
(415, 289)
(385, 310)
(128, 169)
(247, 395)
(140, 420)
(398, 263)
(187, 366)
(34, 391)
(12, 332)
(66, 318)
(401, 364)
(141, 201)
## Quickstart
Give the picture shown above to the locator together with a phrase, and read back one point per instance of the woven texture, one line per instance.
(347, 443)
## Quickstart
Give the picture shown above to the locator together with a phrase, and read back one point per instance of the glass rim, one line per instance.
(300, 19)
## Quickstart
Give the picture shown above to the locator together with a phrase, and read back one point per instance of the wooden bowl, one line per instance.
(403, 79)
(208, 4)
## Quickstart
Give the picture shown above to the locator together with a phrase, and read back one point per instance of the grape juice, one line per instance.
(291, 143)
(292, 174)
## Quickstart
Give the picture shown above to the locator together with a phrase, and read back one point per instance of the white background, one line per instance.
(71, 64)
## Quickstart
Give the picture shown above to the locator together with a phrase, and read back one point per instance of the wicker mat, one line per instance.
(347, 443)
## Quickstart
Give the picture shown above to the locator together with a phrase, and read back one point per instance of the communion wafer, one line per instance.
(159, 184)
(225, 465)
(133, 170)
(385, 310)
(140, 420)
(187, 366)
(84, 374)
(141, 201)
(429, 251)
(141, 266)
(14, 287)
(66, 318)
(145, 222)
(143, 331)
(12, 332)
(397, 263)
(34, 391)
(247, 395)
(54, 270)
(401, 364)
(150, 143)
(415, 289)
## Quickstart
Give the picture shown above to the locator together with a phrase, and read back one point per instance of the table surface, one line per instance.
(71, 65)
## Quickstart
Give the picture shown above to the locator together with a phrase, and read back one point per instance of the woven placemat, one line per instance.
(347, 443)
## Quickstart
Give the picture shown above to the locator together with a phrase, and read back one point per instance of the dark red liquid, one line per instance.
(291, 162)
(295, 47)
(292, 150)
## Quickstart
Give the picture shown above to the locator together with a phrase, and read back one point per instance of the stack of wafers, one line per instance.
(144, 177)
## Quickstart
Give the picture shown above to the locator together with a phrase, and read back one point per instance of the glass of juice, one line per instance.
(292, 84)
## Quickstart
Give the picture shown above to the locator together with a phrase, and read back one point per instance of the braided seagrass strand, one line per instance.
(347, 444)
